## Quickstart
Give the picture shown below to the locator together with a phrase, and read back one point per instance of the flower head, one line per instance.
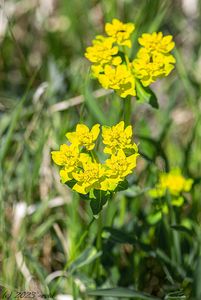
(116, 138)
(89, 177)
(119, 79)
(175, 183)
(148, 67)
(67, 157)
(119, 165)
(120, 32)
(112, 66)
(103, 52)
(83, 136)
(81, 169)
(156, 42)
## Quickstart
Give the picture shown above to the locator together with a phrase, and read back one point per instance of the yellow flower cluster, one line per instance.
(108, 66)
(154, 59)
(175, 183)
(82, 168)
(111, 65)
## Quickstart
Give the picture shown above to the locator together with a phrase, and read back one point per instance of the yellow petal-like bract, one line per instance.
(153, 60)
(120, 32)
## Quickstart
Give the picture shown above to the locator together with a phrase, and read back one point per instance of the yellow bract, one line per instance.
(67, 157)
(119, 165)
(148, 67)
(83, 136)
(111, 64)
(89, 177)
(102, 52)
(119, 79)
(157, 42)
(175, 183)
(84, 170)
(116, 138)
(153, 60)
(120, 32)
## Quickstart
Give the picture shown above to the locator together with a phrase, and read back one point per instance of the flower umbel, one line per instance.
(175, 183)
(153, 60)
(120, 165)
(120, 32)
(83, 136)
(119, 79)
(103, 52)
(116, 138)
(84, 171)
(89, 177)
(148, 67)
(156, 42)
(115, 70)
(67, 157)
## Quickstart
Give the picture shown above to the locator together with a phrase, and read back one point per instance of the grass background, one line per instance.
(46, 243)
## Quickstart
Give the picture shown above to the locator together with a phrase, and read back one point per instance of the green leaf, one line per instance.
(86, 257)
(166, 259)
(135, 191)
(177, 295)
(71, 183)
(45, 226)
(146, 95)
(197, 276)
(119, 236)
(154, 218)
(182, 228)
(122, 186)
(92, 104)
(99, 200)
(121, 292)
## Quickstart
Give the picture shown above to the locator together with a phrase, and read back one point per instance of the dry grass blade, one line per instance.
(77, 100)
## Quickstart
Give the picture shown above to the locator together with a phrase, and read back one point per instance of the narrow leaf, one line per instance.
(121, 292)
(92, 104)
(182, 228)
(146, 95)
(86, 257)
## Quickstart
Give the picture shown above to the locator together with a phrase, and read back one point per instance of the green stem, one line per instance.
(176, 249)
(176, 238)
(74, 290)
(99, 244)
(99, 239)
(81, 241)
(127, 112)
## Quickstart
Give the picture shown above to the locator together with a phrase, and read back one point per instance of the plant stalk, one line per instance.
(127, 112)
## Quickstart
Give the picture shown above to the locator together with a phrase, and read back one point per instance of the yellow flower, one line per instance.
(88, 178)
(116, 138)
(119, 165)
(120, 32)
(81, 168)
(148, 67)
(119, 79)
(83, 136)
(156, 42)
(67, 157)
(175, 183)
(103, 52)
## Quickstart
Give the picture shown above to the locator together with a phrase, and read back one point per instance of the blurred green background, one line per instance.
(46, 245)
